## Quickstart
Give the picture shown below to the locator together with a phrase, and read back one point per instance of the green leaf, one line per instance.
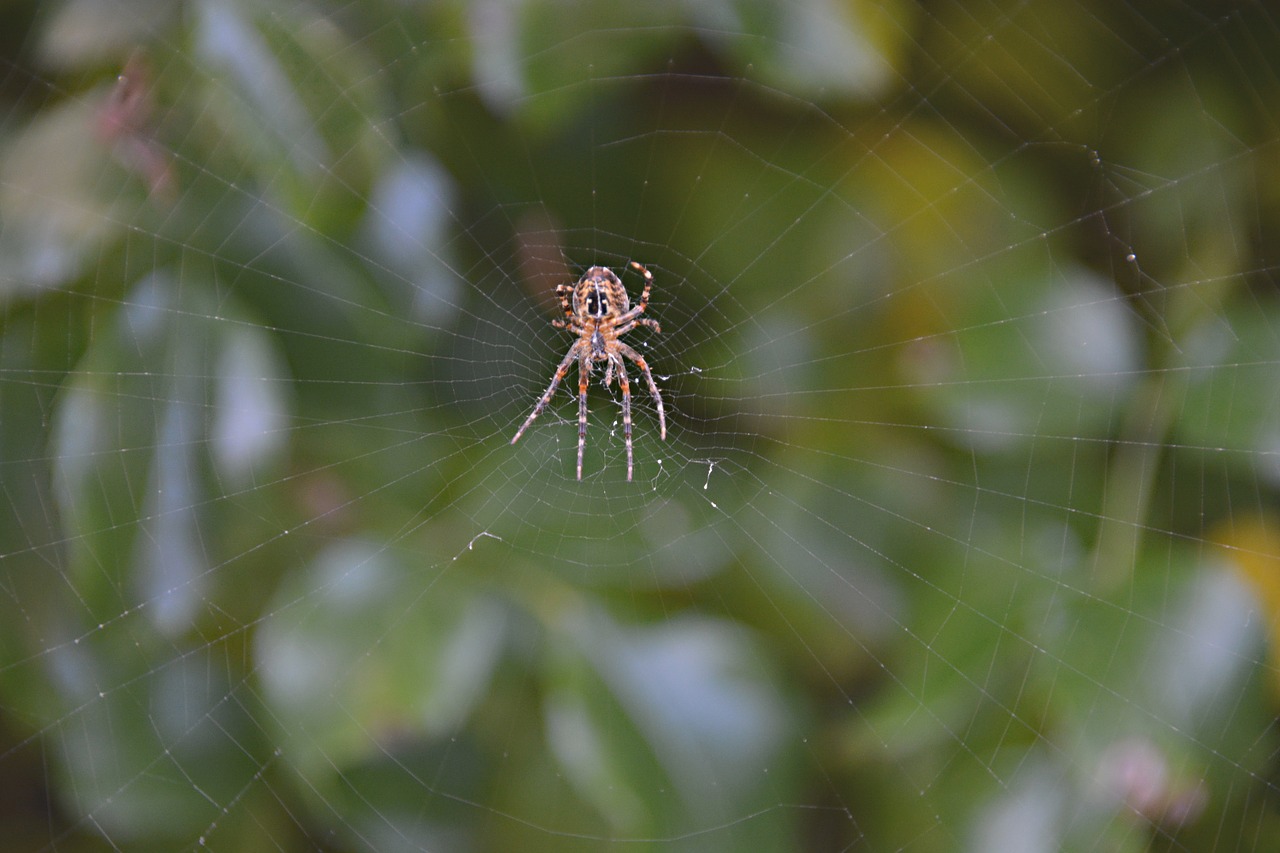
(294, 98)
(536, 57)
(407, 222)
(83, 33)
(248, 425)
(134, 428)
(1232, 401)
(61, 198)
(700, 706)
(352, 653)
(155, 754)
(814, 48)
(1044, 355)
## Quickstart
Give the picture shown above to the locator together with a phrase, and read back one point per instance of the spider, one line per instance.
(598, 311)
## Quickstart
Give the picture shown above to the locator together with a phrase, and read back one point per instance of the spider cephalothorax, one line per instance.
(598, 310)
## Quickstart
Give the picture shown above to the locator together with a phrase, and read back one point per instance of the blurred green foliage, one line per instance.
(970, 339)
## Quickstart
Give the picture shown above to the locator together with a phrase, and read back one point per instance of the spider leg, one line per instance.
(551, 389)
(563, 291)
(648, 284)
(653, 387)
(644, 321)
(584, 375)
(640, 307)
(626, 407)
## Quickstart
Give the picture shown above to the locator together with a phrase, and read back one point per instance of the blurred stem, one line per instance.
(1131, 478)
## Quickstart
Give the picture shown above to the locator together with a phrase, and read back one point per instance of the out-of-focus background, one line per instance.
(964, 535)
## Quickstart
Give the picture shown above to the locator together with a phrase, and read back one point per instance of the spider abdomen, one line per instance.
(599, 295)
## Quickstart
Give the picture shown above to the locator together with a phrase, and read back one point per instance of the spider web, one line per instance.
(963, 535)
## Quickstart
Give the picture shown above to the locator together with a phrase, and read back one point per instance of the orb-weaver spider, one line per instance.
(598, 310)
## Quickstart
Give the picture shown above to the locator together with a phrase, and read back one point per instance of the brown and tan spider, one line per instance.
(598, 311)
